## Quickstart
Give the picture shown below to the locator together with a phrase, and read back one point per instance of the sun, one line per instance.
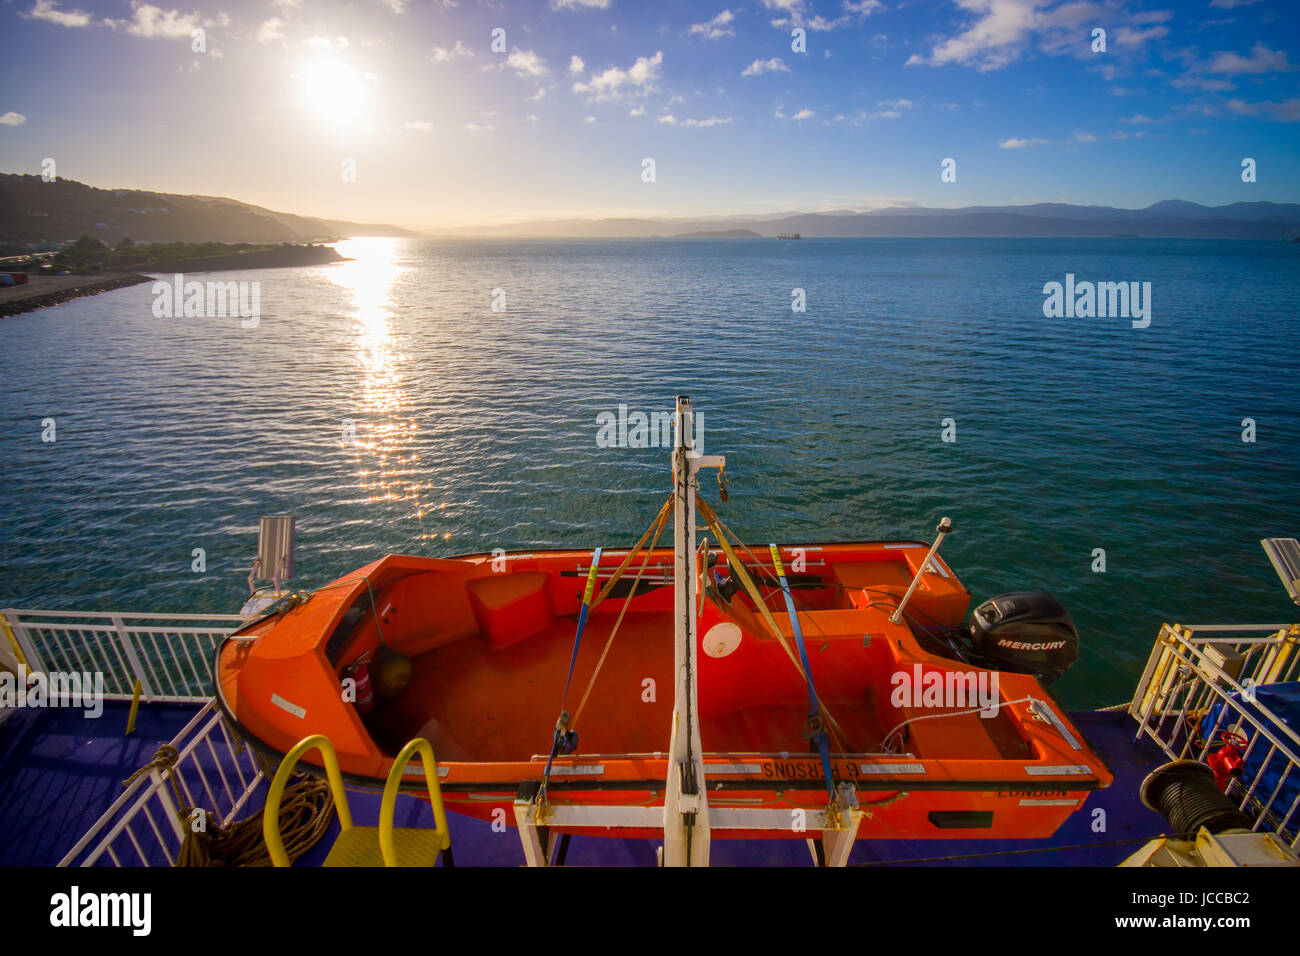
(332, 91)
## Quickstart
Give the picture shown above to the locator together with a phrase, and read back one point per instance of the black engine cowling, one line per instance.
(1024, 632)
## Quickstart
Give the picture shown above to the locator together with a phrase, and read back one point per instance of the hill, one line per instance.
(32, 210)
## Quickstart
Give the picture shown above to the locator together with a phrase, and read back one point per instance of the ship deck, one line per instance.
(59, 771)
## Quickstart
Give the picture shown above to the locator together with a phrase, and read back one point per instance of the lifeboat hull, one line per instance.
(489, 637)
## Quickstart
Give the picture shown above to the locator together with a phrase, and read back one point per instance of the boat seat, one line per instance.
(966, 736)
(511, 607)
(888, 580)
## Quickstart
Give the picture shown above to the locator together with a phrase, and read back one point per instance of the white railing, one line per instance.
(143, 827)
(169, 654)
(1214, 670)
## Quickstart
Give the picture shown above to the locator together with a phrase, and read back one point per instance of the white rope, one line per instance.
(884, 744)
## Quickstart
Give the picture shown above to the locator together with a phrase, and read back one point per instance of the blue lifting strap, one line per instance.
(816, 731)
(566, 740)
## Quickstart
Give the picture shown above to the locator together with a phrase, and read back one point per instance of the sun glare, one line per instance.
(332, 91)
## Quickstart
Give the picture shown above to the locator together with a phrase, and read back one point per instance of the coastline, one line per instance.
(40, 292)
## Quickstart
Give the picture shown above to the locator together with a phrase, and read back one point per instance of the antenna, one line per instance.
(275, 543)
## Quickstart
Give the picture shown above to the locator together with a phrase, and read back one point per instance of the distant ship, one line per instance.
(788, 235)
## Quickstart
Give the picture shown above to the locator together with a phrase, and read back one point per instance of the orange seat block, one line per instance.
(511, 607)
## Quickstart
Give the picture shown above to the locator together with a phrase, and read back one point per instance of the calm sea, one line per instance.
(477, 429)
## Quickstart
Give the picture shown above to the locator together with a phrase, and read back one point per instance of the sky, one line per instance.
(440, 113)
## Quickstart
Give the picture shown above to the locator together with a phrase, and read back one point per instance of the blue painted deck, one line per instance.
(59, 772)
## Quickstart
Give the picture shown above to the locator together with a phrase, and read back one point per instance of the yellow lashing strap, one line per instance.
(657, 528)
(738, 568)
(618, 572)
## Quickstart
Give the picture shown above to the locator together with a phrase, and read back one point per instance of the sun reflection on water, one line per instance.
(384, 446)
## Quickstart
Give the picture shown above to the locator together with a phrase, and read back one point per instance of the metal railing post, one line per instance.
(128, 648)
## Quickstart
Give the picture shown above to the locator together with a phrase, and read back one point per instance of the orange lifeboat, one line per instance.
(488, 651)
(891, 721)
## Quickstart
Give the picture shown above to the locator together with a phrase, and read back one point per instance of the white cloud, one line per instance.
(154, 22)
(476, 128)
(638, 111)
(798, 14)
(397, 6)
(527, 63)
(1003, 28)
(1014, 143)
(638, 79)
(579, 4)
(803, 114)
(269, 31)
(589, 119)
(893, 110)
(715, 29)
(759, 67)
(1127, 36)
(670, 120)
(458, 52)
(1202, 83)
(48, 10)
(12, 119)
(1085, 137)
(576, 64)
(328, 43)
(419, 126)
(1261, 60)
(1287, 111)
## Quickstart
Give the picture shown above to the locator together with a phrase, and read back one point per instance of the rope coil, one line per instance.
(305, 815)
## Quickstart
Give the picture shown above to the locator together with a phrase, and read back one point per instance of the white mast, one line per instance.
(686, 808)
(685, 816)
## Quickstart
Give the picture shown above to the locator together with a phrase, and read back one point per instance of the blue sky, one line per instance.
(441, 129)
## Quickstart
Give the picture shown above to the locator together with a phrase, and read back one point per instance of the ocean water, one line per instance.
(478, 429)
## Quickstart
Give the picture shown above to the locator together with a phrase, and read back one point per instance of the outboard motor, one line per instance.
(1024, 632)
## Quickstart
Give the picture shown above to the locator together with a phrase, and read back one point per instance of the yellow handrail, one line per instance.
(388, 808)
(271, 815)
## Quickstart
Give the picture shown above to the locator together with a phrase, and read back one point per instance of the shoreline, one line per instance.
(41, 292)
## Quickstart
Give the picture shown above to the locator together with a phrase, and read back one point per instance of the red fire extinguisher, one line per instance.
(1227, 762)
(365, 696)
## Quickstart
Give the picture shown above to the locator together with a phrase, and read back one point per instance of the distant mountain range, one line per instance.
(1173, 218)
(32, 210)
